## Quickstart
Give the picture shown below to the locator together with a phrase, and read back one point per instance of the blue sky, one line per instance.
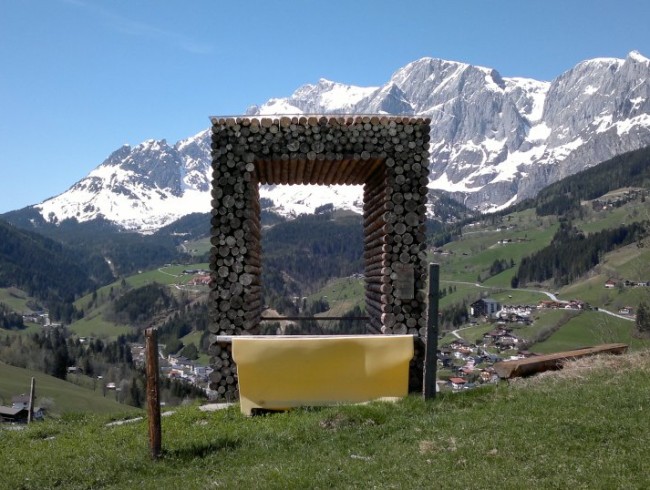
(80, 78)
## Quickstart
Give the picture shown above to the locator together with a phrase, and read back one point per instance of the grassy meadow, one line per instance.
(60, 396)
(197, 248)
(342, 294)
(475, 251)
(532, 433)
(591, 328)
(15, 299)
(94, 325)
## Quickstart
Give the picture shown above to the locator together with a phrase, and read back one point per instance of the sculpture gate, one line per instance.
(388, 155)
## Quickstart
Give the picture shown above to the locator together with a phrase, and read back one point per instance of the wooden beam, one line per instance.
(538, 364)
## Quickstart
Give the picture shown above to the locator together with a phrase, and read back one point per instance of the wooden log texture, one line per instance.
(388, 155)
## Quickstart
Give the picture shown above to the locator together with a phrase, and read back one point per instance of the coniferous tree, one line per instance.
(190, 351)
(514, 282)
(136, 396)
(643, 318)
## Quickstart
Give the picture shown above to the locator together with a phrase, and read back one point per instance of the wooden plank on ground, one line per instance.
(537, 364)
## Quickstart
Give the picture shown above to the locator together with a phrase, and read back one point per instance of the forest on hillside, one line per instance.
(572, 253)
(630, 169)
(301, 255)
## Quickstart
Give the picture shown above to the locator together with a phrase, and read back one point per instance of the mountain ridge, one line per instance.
(494, 140)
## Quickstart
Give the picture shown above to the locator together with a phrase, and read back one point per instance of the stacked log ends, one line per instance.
(387, 154)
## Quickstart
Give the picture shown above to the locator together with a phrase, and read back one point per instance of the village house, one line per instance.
(458, 349)
(19, 404)
(202, 372)
(183, 369)
(490, 358)
(445, 360)
(179, 362)
(614, 201)
(20, 401)
(488, 375)
(626, 310)
(501, 337)
(551, 304)
(635, 284)
(574, 304)
(457, 383)
(486, 307)
(458, 344)
(176, 373)
(519, 310)
(611, 284)
(516, 314)
(31, 318)
(199, 280)
(506, 342)
(495, 334)
(465, 370)
(13, 415)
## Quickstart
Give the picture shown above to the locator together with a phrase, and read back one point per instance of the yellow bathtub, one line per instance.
(280, 372)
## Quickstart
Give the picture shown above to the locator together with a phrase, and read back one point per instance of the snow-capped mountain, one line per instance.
(141, 188)
(322, 98)
(494, 140)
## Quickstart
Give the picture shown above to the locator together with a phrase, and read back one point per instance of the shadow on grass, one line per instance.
(202, 450)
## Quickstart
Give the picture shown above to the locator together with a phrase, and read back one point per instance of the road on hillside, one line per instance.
(160, 269)
(547, 293)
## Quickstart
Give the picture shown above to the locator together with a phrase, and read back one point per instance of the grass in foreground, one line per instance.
(536, 433)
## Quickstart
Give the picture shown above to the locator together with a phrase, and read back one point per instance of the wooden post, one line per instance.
(153, 392)
(30, 415)
(431, 356)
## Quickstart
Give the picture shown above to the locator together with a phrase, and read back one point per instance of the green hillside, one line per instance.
(583, 427)
(95, 305)
(18, 300)
(592, 328)
(45, 268)
(60, 396)
(631, 169)
(316, 256)
(470, 256)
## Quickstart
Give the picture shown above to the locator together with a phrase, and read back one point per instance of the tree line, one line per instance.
(571, 253)
(140, 306)
(631, 169)
(188, 318)
(10, 320)
(54, 350)
(300, 256)
(48, 270)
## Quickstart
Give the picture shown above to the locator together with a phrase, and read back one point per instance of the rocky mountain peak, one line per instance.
(494, 139)
(321, 98)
